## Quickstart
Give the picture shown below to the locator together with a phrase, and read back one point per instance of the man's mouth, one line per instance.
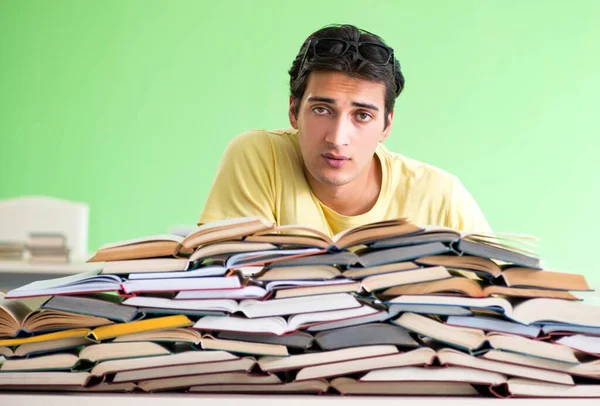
(335, 161)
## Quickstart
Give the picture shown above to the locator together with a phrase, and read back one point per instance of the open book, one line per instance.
(527, 312)
(361, 235)
(166, 245)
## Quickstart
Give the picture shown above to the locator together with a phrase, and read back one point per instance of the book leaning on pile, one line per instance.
(244, 306)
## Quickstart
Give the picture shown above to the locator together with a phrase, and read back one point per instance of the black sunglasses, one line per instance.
(373, 52)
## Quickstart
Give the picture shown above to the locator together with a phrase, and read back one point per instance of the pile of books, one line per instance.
(239, 305)
(48, 248)
(11, 250)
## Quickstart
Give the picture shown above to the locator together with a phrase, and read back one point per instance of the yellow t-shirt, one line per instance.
(261, 173)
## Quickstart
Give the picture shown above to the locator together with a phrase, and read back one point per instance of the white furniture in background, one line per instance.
(22, 215)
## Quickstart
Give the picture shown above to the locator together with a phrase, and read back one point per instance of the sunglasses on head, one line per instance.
(323, 48)
(373, 52)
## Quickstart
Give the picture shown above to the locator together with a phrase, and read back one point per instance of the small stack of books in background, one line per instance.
(48, 248)
(242, 306)
(11, 250)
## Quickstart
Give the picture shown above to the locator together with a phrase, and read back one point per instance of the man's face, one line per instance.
(340, 122)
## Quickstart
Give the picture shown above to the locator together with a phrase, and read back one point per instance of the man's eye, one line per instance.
(320, 110)
(364, 117)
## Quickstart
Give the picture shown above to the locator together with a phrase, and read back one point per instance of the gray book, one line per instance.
(92, 307)
(344, 258)
(501, 254)
(299, 339)
(366, 334)
(354, 321)
(423, 237)
(401, 254)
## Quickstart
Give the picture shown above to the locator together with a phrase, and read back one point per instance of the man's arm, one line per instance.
(463, 212)
(244, 184)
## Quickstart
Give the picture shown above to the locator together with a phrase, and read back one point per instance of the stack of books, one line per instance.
(242, 306)
(48, 248)
(11, 250)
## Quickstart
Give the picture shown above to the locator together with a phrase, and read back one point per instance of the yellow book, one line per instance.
(78, 332)
(159, 323)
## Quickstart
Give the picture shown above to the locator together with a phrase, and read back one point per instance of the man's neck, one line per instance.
(355, 198)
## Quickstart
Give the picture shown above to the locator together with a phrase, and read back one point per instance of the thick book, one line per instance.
(481, 266)
(210, 343)
(85, 282)
(44, 347)
(580, 342)
(351, 237)
(531, 278)
(208, 380)
(528, 388)
(458, 374)
(158, 323)
(243, 292)
(121, 350)
(201, 272)
(255, 308)
(383, 281)
(315, 386)
(361, 272)
(418, 357)
(295, 362)
(51, 380)
(298, 340)
(107, 307)
(473, 340)
(156, 363)
(16, 317)
(237, 365)
(150, 265)
(351, 386)
(226, 249)
(428, 234)
(488, 323)
(590, 369)
(52, 362)
(503, 253)
(309, 272)
(452, 357)
(468, 287)
(371, 258)
(366, 334)
(166, 245)
(539, 310)
(91, 282)
(279, 325)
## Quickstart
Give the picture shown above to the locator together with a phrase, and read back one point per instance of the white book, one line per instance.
(179, 284)
(449, 374)
(86, 282)
(583, 343)
(528, 312)
(194, 273)
(243, 292)
(278, 325)
(493, 324)
(134, 266)
(518, 387)
(254, 308)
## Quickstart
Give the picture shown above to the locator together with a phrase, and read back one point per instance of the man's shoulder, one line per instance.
(261, 139)
(419, 171)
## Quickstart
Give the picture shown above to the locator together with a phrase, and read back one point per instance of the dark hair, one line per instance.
(349, 63)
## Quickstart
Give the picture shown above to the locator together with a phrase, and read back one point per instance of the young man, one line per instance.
(331, 171)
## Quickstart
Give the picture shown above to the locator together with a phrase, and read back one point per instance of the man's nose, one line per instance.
(339, 132)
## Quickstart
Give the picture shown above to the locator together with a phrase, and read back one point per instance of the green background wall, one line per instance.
(128, 105)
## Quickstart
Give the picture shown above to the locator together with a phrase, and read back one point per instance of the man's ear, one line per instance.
(292, 114)
(386, 130)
